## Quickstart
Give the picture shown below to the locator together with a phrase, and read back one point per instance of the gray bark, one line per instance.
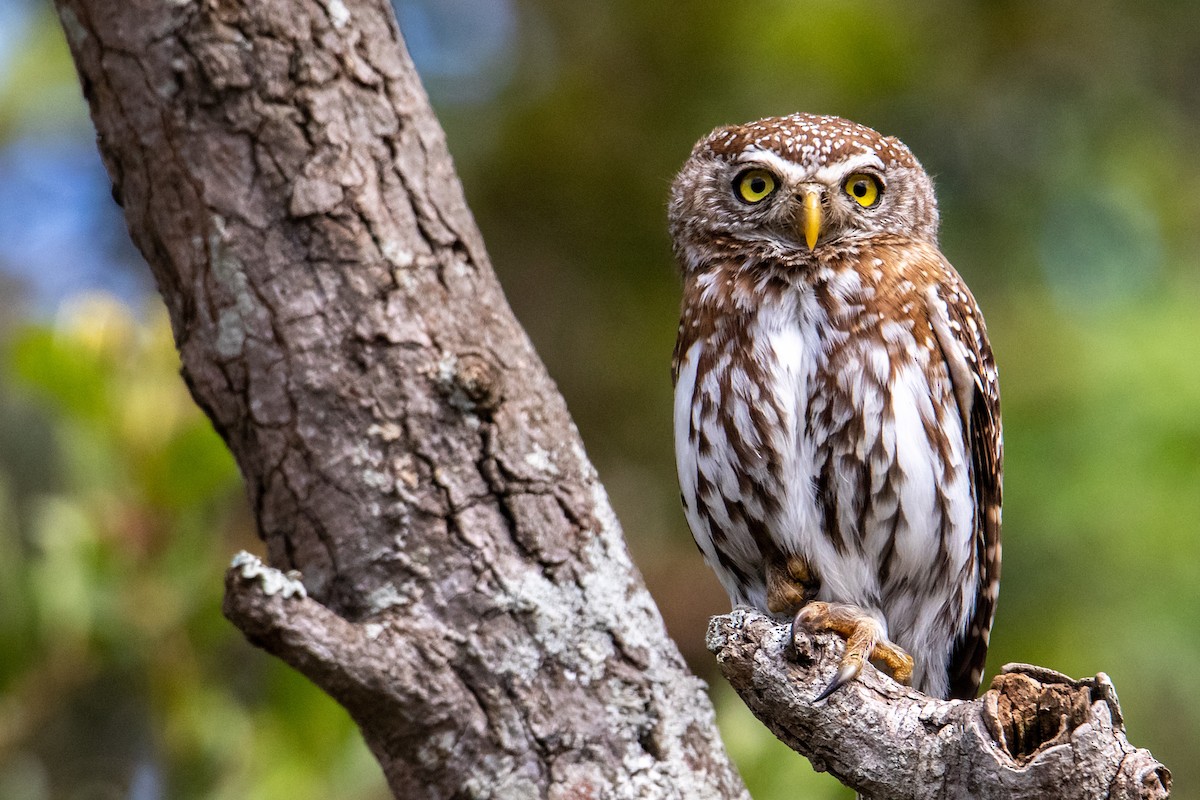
(466, 592)
(1035, 734)
(470, 598)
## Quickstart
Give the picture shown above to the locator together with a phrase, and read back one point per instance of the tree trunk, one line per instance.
(473, 603)
(462, 585)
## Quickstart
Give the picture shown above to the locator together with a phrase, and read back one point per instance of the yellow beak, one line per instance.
(810, 217)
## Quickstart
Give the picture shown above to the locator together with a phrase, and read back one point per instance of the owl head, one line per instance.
(787, 188)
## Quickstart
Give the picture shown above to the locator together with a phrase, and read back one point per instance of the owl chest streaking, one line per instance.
(836, 405)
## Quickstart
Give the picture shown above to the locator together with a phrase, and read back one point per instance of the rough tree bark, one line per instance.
(1034, 734)
(466, 593)
(472, 604)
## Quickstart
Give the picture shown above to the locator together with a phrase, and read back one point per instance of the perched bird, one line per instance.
(837, 412)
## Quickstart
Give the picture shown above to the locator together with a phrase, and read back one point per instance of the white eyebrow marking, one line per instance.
(832, 174)
(790, 170)
(829, 174)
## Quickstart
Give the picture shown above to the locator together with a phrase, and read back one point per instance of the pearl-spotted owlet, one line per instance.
(837, 413)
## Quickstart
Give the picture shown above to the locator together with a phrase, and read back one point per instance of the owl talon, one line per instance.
(864, 640)
(800, 643)
(847, 672)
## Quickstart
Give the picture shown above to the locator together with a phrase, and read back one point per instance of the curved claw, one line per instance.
(865, 639)
(797, 629)
(848, 671)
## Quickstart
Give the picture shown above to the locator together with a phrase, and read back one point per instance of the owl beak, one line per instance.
(810, 216)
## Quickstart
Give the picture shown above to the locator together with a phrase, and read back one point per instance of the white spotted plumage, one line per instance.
(839, 404)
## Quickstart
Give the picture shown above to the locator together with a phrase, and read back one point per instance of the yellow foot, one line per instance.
(864, 640)
(790, 584)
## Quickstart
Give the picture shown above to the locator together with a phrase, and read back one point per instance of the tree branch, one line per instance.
(1034, 734)
(469, 597)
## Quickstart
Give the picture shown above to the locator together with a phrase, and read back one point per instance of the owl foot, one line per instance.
(864, 640)
(790, 585)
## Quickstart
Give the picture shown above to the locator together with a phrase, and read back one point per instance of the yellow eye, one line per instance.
(754, 185)
(863, 189)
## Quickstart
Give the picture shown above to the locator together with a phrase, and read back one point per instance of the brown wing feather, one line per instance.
(979, 404)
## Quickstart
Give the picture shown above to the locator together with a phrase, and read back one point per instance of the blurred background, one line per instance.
(1062, 138)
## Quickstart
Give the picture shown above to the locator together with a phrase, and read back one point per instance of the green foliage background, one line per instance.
(1062, 140)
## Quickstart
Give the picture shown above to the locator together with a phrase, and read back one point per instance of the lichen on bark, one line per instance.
(403, 448)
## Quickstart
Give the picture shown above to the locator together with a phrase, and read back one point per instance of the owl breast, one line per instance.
(809, 423)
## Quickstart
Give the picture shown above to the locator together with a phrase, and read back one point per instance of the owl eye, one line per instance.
(863, 189)
(754, 185)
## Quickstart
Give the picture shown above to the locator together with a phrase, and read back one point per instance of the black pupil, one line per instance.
(758, 185)
(860, 189)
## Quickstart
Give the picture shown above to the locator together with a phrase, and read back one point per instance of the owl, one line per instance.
(837, 411)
